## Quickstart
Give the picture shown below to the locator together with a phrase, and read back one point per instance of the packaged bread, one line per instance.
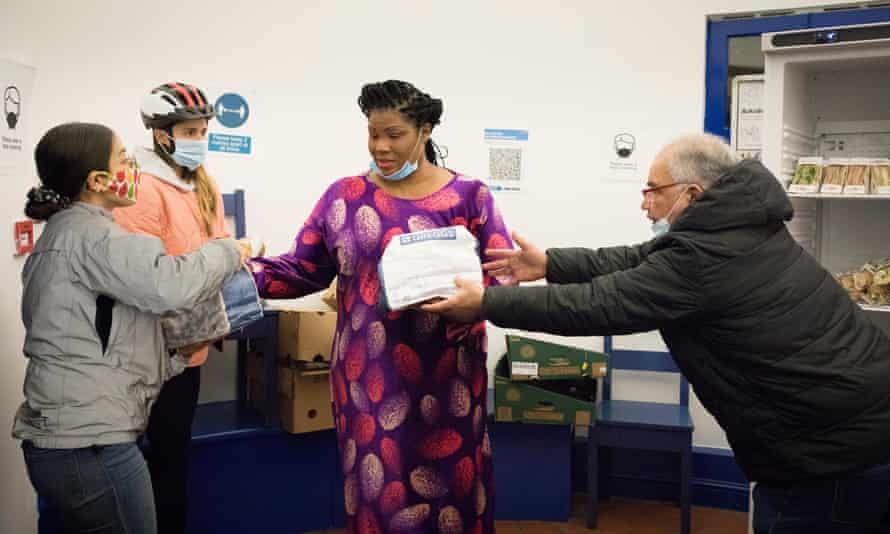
(880, 177)
(808, 175)
(845, 280)
(858, 175)
(881, 273)
(834, 175)
(870, 284)
(862, 280)
(878, 295)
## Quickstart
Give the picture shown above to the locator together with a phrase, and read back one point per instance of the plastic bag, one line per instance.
(421, 266)
(236, 306)
(880, 177)
(834, 176)
(808, 176)
(858, 177)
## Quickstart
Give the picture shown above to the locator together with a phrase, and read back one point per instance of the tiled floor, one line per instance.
(622, 516)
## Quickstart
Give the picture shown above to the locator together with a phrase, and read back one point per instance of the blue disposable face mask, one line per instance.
(407, 169)
(189, 154)
(661, 226)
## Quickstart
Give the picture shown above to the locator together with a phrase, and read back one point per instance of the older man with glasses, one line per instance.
(794, 371)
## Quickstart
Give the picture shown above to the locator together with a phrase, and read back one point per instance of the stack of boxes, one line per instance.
(304, 368)
(541, 382)
(535, 382)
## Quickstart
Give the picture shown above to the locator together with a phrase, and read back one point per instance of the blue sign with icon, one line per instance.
(232, 110)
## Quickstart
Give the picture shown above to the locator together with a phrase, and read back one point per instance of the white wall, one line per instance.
(16, 496)
(574, 73)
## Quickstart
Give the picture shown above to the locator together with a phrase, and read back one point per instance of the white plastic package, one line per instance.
(420, 266)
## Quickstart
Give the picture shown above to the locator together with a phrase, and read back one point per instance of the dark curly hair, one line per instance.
(65, 156)
(403, 97)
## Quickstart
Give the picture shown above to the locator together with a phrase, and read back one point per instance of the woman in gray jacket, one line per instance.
(96, 353)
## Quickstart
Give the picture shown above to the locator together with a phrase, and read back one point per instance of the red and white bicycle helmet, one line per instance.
(174, 102)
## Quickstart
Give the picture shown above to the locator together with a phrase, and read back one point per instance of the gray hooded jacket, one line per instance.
(83, 388)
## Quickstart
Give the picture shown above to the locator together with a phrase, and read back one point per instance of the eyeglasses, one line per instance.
(649, 190)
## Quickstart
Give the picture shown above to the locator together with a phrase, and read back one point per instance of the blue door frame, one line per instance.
(719, 33)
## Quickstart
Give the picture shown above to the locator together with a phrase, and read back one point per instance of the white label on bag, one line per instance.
(440, 234)
(524, 369)
(804, 188)
(883, 190)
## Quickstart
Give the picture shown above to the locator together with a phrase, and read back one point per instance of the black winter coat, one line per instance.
(796, 373)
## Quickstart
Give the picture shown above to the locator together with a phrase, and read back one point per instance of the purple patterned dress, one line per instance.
(409, 388)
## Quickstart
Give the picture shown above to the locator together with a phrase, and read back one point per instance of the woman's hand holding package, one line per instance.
(245, 249)
(253, 248)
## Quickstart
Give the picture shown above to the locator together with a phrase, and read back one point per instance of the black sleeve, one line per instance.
(574, 265)
(651, 295)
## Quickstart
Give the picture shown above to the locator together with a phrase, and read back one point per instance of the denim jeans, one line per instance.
(838, 506)
(96, 490)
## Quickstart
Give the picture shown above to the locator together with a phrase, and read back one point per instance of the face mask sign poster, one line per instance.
(623, 156)
(16, 83)
(16, 148)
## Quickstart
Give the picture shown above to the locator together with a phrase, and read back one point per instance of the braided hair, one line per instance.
(65, 156)
(403, 97)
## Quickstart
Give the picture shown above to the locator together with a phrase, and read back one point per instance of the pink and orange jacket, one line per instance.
(167, 207)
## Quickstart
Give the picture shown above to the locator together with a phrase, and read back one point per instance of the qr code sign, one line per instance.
(504, 163)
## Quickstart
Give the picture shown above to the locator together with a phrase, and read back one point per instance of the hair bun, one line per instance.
(46, 195)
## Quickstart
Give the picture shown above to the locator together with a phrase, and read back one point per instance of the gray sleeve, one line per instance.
(578, 265)
(135, 270)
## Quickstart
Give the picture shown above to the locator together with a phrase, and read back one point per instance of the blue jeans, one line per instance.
(839, 506)
(96, 490)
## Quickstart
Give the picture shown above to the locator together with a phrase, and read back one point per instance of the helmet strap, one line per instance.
(169, 131)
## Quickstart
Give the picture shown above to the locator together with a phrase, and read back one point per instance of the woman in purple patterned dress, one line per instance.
(409, 389)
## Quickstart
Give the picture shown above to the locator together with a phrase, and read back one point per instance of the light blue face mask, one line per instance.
(189, 154)
(407, 169)
(661, 226)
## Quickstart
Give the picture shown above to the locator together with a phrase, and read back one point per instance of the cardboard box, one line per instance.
(306, 336)
(304, 399)
(304, 393)
(523, 401)
(583, 389)
(534, 359)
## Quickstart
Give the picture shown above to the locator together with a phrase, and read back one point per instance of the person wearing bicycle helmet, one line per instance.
(181, 204)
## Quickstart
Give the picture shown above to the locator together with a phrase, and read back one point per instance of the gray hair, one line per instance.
(699, 158)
